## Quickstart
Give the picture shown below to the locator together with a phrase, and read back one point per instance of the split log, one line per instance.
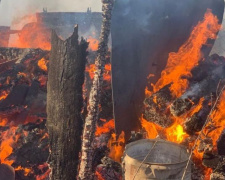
(156, 107)
(64, 104)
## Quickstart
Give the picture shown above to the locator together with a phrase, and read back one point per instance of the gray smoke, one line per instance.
(12, 9)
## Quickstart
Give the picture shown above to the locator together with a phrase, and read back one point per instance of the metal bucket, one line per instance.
(166, 160)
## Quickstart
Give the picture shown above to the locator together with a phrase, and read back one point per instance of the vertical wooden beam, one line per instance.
(64, 104)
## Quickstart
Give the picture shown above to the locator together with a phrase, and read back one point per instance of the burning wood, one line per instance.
(157, 107)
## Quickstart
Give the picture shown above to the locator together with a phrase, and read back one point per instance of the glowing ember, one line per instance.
(99, 176)
(26, 170)
(4, 95)
(42, 63)
(180, 64)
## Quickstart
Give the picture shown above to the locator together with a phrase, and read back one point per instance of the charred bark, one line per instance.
(95, 94)
(64, 104)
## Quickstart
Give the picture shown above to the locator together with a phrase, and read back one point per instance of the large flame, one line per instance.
(179, 64)
(32, 34)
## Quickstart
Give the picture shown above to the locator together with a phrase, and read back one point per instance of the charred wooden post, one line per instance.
(94, 99)
(64, 104)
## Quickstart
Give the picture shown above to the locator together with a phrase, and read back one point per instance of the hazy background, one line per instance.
(12, 9)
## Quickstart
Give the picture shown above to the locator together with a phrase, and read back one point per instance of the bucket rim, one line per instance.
(153, 140)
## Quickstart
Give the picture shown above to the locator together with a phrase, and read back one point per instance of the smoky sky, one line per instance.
(12, 9)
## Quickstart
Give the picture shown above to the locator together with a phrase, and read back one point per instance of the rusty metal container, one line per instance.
(167, 160)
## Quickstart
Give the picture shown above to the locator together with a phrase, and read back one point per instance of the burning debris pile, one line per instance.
(185, 104)
(187, 101)
(24, 138)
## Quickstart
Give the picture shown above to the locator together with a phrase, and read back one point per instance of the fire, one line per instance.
(116, 146)
(177, 70)
(175, 133)
(3, 122)
(107, 74)
(6, 145)
(32, 35)
(91, 71)
(150, 128)
(42, 63)
(218, 120)
(4, 95)
(179, 64)
(99, 176)
(93, 43)
(26, 170)
(106, 128)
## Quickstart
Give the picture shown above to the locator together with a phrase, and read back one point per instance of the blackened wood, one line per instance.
(195, 123)
(64, 104)
(156, 107)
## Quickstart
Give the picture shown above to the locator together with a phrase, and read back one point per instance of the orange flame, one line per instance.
(150, 128)
(93, 44)
(180, 64)
(42, 63)
(4, 95)
(26, 170)
(91, 71)
(32, 35)
(116, 146)
(6, 145)
(106, 128)
(218, 120)
(175, 133)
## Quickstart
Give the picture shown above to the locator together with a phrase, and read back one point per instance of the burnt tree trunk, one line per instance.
(95, 94)
(64, 104)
